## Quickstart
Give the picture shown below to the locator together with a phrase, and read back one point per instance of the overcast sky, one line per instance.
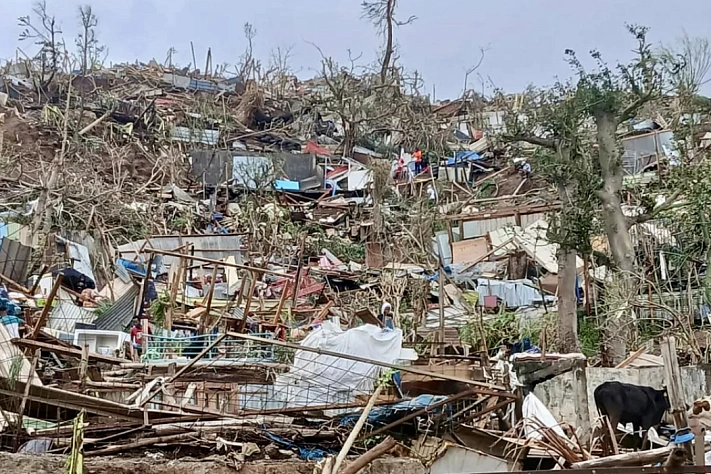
(524, 39)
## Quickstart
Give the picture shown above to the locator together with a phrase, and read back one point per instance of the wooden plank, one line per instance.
(672, 380)
(631, 358)
(470, 250)
(47, 307)
(72, 352)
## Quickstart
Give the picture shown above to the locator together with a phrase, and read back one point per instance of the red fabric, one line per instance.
(314, 149)
(136, 333)
(417, 156)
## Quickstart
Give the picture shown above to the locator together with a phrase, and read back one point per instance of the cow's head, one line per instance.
(665, 396)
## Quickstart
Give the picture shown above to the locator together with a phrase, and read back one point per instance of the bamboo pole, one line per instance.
(356, 429)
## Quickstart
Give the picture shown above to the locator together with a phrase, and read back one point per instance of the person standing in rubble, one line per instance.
(137, 335)
(417, 156)
(525, 169)
(386, 315)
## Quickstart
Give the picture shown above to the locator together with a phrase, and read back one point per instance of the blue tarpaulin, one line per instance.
(286, 185)
(383, 414)
(133, 267)
(309, 454)
(463, 157)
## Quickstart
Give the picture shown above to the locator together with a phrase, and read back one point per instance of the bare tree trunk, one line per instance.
(567, 301)
(618, 236)
(387, 56)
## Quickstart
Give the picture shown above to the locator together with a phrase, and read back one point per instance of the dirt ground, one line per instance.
(51, 464)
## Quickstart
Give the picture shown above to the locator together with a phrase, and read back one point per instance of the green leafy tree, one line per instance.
(553, 120)
(612, 96)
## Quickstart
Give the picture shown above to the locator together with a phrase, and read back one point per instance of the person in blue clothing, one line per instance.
(386, 315)
(11, 322)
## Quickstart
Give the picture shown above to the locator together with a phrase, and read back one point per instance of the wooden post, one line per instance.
(28, 385)
(442, 296)
(248, 304)
(699, 452)
(175, 284)
(144, 336)
(208, 299)
(299, 265)
(144, 289)
(369, 456)
(83, 367)
(242, 287)
(672, 380)
(47, 307)
(277, 317)
(675, 391)
(39, 277)
(639, 458)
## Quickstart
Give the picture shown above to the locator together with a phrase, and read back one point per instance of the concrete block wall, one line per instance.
(558, 393)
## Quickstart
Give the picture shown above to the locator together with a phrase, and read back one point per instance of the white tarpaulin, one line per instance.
(516, 293)
(535, 414)
(317, 379)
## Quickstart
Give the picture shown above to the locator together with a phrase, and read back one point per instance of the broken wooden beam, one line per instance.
(47, 307)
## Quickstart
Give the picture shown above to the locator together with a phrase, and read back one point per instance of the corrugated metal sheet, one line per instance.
(66, 314)
(483, 227)
(529, 219)
(14, 259)
(119, 315)
(211, 166)
(191, 135)
(215, 246)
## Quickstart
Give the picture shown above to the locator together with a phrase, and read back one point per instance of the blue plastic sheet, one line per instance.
(309, 454)
(132, 267)
(381, 414)
(463, 157)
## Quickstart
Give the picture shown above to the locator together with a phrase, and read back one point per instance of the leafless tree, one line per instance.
(44, 32)
(248, 65)
(382, 14)
(87, 43)
(688, 63)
